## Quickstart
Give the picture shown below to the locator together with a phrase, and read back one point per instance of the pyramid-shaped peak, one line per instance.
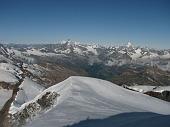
(129, 44)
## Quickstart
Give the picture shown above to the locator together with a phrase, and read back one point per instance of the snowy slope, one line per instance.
(7, 77)
(82, 97)
(39, 53)
(28, 91)
(4, 96)
(9, 73)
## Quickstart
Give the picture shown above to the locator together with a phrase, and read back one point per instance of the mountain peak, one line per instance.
(69, 42)
(129, 44)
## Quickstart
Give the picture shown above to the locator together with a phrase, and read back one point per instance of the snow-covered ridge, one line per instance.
(83, 97)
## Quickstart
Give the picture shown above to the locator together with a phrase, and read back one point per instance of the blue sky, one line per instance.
(144, 22)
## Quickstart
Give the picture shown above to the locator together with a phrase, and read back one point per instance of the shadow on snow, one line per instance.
(134, 119)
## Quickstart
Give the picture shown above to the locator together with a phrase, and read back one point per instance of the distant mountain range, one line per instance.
(110, 55)
(130, 63)
(29, 74)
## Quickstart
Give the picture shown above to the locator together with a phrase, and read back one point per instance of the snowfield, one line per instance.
(8, 73)
(39, 53)
(82, 97)
(5, 95)
(28, 91)
(7, 77)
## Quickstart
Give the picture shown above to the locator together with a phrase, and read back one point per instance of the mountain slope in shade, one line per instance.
(84, 98)
(4, 96)
(135, 119)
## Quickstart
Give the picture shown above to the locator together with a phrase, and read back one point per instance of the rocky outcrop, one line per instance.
(34, 108)
(165, 95)
(7, 86)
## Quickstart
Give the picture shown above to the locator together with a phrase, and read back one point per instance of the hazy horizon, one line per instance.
(115, 22)
(88, 43)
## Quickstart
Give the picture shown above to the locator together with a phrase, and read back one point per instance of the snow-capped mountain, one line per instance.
(79, 98)
(105, 62)
(111, 56)
(28, 74)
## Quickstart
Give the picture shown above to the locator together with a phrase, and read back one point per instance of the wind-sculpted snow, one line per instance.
(82, 97)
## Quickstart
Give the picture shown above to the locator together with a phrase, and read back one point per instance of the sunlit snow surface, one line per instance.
(7, 77)
(82, 98)
(8, 73)
(28, 91)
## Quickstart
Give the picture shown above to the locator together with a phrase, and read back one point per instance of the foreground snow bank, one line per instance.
(82, 97)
